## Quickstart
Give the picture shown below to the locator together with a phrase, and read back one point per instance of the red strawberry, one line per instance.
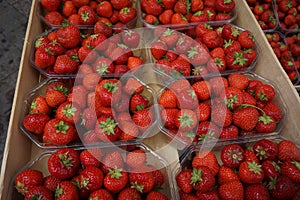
(231, 190)
(103, 28)
(207, 130)
(159, 178)
(138, 102)
(271, 109)
(169, 117)
(234, 98)
(101, 194)
(91, 157)
(104, 66)
(166, 16)
(246, 40)
(152, 7)
(282, 188)
(55, 47)
(108, 92)
(69, 9)
(202, 90)
(158, 49)
(104, 9)
(182, 65)
(246, 118)
(265, 93)
(69, 112)
(239, 81)
(87, 15)
(187, 196)
(44, 58)
(133, 86)
(127, 14)
(226, 175)
(257, 191)
(183, 180)
(35, 123)
(250, 172)
(265, 150)
(129, 193)
(236, 60)
(131, 38)
(198, 55)
(134, 62)
(271, 170)
(91, 178)
(142, 179)
(39, 192)
(291, 169)
(88, 118)
(169, 37)
(112, 160)
(208, 159)
(287, 150)
(232, 155)
(221, 115)
(115, 180)
(168, 99)
(119, 4)
(156, 195)
(27, 179)
(107, 129)
(64, 163)
(136, 158)
(224, 5)
(69, 36)
(129, 129)
(186, 119)
(51, 182)
(50, 5)
(143, 118)
(229, 132)
(65, 64)
(231, 45)
(66, 190)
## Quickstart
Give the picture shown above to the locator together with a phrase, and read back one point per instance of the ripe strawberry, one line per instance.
(156, 195)
(159, 178)
(187, 196)
(107, 129)
(182, 65)
(169, 117)
(239, 81)
(208, 159)
(143, 119)
(69, 112)
(74, 20)
(234, 98)
(133, 86)
(282, 188)
(142, 179)
(104, 66)
(104, 9)
(51, 182)
(158, 49)
(104, 28)
(134, 62)
(204, 111)
(87, 15)
(231, 190)
(186, 120)
(271, 109)
(287, 150)
(166, 16)
(129, 193)
(198, 55)
(183, 180)
(202, 90)
(231, 46)
(265, 149)
(108, 92)
(271, 170)
(88, 118)
(50, 5)
(265, 93)
(27, 179)
(39, 192)
(169, 37)
(221, 115)
(44, 58)
(168, 99)
(101, 194)
(131, 38)
(91, 157)
(246, 40)
(91, 178)
(291, 169)
(232, 155)
(66, 190)
(138, 102)
(229, 132)
(207, 130)
(118, 5)
(127, 14)
(112, 160)
(246, 118)
(226, 175)
(59, 132)
(136, 158)
(248, 99)
(250, 172)
(69, 9)
(54, 18)
(56, 48)
(129, 130)
(69, 36)
(35, 122)
(152, 7)
(236, 60)
(257, 191)
(151, 19)
(65, 64)
(64, 163)
(115, 180)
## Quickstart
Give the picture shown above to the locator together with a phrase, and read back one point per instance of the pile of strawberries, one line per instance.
(284, 55)
(207, 50)
(293, 42)
(62, 51)
(288, 12)
(94, 110)
(224, 107)
(264, 13)
(95, 174)
(115, 13)
(264, 170)
(178, 13)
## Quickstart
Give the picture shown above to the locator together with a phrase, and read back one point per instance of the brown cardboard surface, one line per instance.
(19, 150)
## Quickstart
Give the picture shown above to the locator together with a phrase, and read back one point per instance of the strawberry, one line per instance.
(231, 190)
(131, 38)
(271, 170)
(257, 191)
(183, 180)
(56, 48)
(231, 45)
(143, 119)
(204, 111)
(182, 65)
(169, 117)
(291, 169)
(246, 40)
(186, 120)
(103, 28)
(91, 178)
(112, 160)
(129, 193)
(266, 124)
(168, 99)
(282, 188)
(226, 175)
(225, 5)
(234, 98)
(35, 122)
(69, 112)
(91, 157)
(133, 86)
(65, 64)
(265, 92)
(44, 58)
(152, 7)
(246, 118)
(229, 132)
(178, 19)
(208, 159)
(239, 81)
(51, 182)
(39, 192)
(107, 129)
(265, 149)
(134, 62)
(187, 196)
(202, 90)
(287, 150)
(69, 9)
(41, 42)
(129, 129)
(221, 115)
(87, 15)
(88, 118)
(27, 179)
(142, 179)
(104, 9)
(156, 195)
(183, 44)
(108, 92)
(207, 130)
(158, 49)
(249, 156)
(198, 55)
(232, 155)
(74, 20)
(101, 194)
(236, 60)
(136, 158)
(250, 172)
(118, 5)
(50, 5)
(187, 99)
(166, 16)
(115, 180)
(159, 178)
(127, 14)
(68, 36)
(271, 109)
(66, 190)
(169, 37)
(104, 66)
(64, 163)
(151, 19)
(138, 102)
(253, 84)
(230, 32)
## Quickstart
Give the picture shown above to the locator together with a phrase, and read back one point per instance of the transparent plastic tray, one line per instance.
(41, 12)
(40, 90)
(141, 15)
(152, 158)
(177, 140)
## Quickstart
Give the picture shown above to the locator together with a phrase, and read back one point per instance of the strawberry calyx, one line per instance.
(21, 188)
(235, 31)
(168, 32)
(85, 16)
(276, 166)
(138, 187)
(210, 14)
(228, 43)
(33, 105)
(219, 29)
(231, 100)
(58, 192)
(84, 36)
(115, 173)
(62, 89)
(49, 51)
(108, 126)
(261, 153)
(196, 176)
(219, 62)
(227, 1)
(208, 27)
(69, 111)
(192, 94)
(190, 134)
(197, 70)
(125, 10)
(199, 13)
(61, 127)
(65, 159)
(102, 69)
(188, 6)
(185, 120)
(272, 183)
(38, 42)
(254, 167)
(265, 119)
(209, 135)
(239, 58)
(297, 164)
(192, 52)
(180, 41)
(111, 87)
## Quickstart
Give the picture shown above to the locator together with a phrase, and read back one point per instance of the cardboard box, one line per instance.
(19, 150)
